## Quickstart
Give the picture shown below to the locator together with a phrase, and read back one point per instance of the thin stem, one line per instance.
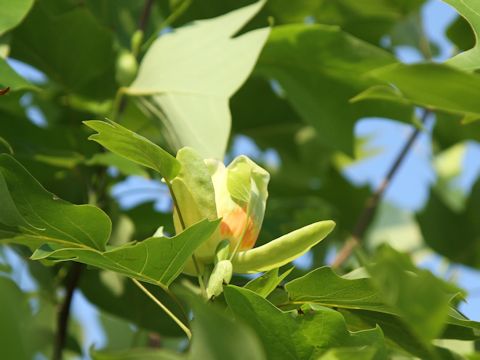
(73, 278)
(372, 203)
(175, 204)
(177, 12)
(147, 9)
(118, 103)
(164, 308)
(199, 275)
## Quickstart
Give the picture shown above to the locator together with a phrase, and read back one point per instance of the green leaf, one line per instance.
(157, 260)
(322, 286)
(123, 165)
(360, 353)
(285, 336)
(265, 284)
(15, 331)
(190, 74)
(427, 312)
(395, 330)
(218, 337)
(281, 251)
(369, 20)
(80, 59)
(320, 89)
(11, 79)
(460, 33)
(358, 295)
(136, 354)
(470, 10)
(454, 234)
(424, 85)
(450, 129)
(12, 13)
(34, 216)
(134, 147)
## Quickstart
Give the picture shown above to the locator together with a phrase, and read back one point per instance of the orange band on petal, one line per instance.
(235, 224)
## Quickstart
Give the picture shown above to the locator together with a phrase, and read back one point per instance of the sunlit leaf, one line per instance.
(286, 336)
(157, 260)
(134, 147)
(470, 10)
(187, 77)
(12, 13)
(33, 216)
(265, 284)
(423, 84)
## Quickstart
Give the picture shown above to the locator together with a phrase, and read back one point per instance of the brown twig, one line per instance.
(372, 203)
(147, 9)
(73, 278)
(4, 91)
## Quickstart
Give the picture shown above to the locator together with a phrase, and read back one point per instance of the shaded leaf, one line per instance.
(369, 21)
(113, 293)
(460, 33)
(15, 333)
(426, 313)
(454, 234)
(80, 59)
(320, 89)
(218, 337)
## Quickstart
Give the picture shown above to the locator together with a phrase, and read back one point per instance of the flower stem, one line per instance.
(117, 103)
(164, 308)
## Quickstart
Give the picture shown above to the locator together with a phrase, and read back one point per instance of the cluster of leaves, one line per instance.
(297, 86)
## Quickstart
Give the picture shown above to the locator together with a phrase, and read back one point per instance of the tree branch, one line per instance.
(73, 278)
(74, 274)
(372, 203)
(147, 9)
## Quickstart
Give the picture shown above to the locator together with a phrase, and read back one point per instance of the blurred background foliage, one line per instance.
(331, 80)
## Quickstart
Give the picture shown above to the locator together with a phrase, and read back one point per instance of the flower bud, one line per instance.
(236, 193)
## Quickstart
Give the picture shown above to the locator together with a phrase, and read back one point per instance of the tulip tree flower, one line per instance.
(237, 194)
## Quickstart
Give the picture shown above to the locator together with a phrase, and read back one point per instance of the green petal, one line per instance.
(281, 251)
